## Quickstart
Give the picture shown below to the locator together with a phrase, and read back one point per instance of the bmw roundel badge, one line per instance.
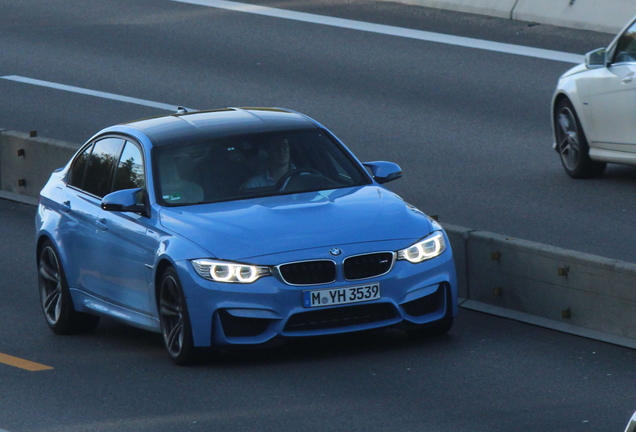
(335, 251)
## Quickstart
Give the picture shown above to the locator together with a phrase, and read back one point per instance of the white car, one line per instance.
(594, 109)
(631, 426)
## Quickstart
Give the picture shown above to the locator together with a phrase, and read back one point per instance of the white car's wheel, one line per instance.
(572, 144)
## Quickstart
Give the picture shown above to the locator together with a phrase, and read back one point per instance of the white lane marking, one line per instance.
(391, 30)
(89, 92)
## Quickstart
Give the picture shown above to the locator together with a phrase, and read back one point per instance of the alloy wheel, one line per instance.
(50, 281)
(568, 142)
(171, 313)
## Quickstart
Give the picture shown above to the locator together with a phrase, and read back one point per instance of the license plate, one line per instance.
(338, 296)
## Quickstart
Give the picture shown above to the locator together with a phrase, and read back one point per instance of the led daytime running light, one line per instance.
(430, 247)
(221, 271)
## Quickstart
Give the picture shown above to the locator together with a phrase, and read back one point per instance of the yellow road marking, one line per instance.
(22, 364)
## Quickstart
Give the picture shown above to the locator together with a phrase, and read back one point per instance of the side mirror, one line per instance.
(596, 59)
(126, 200)
(384, 172)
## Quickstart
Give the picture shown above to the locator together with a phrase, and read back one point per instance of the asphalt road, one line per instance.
(470, 129)
(488, 374)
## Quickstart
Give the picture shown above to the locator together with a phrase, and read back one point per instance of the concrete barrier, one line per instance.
(564, 286)
(544, 285)
(605, 16)
(496, 8)
(26, 162)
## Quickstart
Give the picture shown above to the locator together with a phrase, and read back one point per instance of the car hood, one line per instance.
(239, 230)
(575, 70)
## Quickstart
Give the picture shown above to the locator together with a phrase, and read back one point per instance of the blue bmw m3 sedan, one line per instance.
(236, 227)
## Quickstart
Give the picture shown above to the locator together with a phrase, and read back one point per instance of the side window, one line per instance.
(626, 47)
(101, 162)
(78, 170)
(130, 170)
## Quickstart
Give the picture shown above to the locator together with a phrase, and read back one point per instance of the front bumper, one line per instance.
(221, 314)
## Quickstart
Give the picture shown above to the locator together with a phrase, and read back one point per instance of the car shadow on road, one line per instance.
(117, 337)
(312, 349)
(620, 173)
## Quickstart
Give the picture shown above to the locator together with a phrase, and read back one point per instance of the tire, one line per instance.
(572, 144)
(175, 320)
(55, 297)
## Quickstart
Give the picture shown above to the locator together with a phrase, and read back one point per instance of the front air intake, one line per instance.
(368, 265)
(308, 272)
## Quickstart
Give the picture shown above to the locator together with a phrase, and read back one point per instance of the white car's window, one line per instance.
(626, 47)
(255, 165)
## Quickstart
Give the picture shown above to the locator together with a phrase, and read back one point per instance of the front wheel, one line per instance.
(572, 144)
(55, 297)
(174, 318)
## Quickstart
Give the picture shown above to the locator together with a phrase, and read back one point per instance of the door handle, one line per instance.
(628, 78)
(101, 223)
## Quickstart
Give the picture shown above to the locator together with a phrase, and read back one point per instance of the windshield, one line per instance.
(255, 165)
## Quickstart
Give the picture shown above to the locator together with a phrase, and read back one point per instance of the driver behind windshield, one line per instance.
(277, 164)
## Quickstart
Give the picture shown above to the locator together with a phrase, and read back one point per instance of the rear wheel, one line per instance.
(572, 144)
(55, 297)
(174, 318)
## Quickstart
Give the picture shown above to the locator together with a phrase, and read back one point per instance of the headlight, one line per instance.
(223, 271)
(432, 246)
